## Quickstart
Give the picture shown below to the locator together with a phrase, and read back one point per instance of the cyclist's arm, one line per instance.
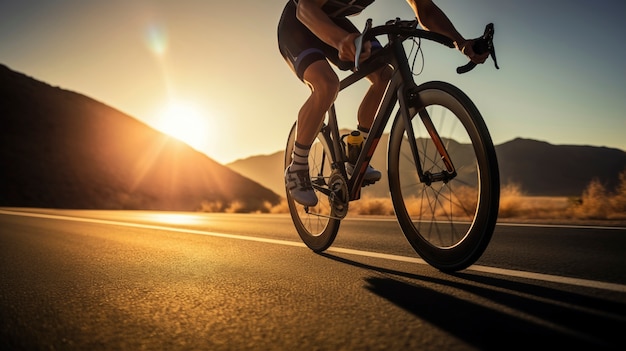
(432, 18)
(310, 13)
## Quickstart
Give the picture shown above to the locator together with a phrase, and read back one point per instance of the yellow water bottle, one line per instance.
(355, 143)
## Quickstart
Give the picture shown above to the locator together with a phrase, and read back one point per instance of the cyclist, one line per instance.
(313, 32)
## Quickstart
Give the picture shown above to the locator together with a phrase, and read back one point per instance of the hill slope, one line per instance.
(558, 170)
(64, 150)
(539, 168)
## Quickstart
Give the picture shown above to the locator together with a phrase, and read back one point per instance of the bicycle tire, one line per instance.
(315, 227)
(449, 224)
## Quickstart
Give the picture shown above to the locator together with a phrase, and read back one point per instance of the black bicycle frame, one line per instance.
(401, 82)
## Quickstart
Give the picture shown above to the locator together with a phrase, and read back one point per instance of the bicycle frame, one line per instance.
(399, 90)
(448, 220)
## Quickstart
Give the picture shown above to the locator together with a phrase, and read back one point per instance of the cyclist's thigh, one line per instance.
(298, 45)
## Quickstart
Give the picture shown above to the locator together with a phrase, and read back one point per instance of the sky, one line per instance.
(210, 71)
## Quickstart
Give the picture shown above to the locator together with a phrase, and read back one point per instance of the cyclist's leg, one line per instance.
(371, 101)
(306, 56)
(324, 84)
(367, 112)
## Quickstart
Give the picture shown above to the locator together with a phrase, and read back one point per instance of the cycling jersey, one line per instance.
(342, 8)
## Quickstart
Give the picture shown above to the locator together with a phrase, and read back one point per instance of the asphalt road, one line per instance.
(107, 280)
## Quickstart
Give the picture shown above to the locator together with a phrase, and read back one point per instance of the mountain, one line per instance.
(61, 149)
(264, 169)
(273, 174)
(558, 170)
(539, 168)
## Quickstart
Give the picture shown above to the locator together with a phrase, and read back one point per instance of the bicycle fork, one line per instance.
(425, 177)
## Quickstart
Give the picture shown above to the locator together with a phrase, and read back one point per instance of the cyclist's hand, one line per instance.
(347, 50)
(466, 48)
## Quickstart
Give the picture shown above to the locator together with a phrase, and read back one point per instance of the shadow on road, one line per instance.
(504, 313)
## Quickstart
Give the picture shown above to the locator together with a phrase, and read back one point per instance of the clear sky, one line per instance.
(562, 77)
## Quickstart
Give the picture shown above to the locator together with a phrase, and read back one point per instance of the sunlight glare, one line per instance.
(174, 218)
(187, 123)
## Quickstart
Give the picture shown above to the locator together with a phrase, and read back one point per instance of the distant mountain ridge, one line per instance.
(558, 170)
(61, 149)
(539, 168)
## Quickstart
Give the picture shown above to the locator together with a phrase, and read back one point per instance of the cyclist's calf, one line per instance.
(367, 111)
(381, 76)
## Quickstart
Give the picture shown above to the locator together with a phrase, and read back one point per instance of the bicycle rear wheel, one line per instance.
(449, 223)
(316, 226)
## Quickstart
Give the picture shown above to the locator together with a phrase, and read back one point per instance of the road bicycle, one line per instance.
(441, 163)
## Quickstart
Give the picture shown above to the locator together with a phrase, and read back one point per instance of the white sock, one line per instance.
(300, 158)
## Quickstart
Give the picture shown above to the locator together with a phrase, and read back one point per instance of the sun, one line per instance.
(186, 122)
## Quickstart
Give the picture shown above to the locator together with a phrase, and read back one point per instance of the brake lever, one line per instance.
(358, 43)
(482, 45)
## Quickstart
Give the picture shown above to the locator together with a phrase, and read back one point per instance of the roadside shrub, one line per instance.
(212, 206)
(596, 203)
(511, 201)
(236, 207)
(282, 207)
(372, 207)
(618, 201)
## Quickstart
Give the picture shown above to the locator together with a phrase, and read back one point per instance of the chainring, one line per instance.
(339, 197)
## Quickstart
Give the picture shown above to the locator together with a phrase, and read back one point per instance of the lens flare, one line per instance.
(156, 36)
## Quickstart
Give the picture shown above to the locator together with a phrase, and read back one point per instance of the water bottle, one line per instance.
(355, 143)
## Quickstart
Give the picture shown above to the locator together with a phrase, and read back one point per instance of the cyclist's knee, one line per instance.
(323, 81)
(327, 89)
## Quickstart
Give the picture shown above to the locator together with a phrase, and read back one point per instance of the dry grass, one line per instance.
(514, 203)
(462, 206)
(369, 206)
(282, 207)
(596, 203)
(222, 207)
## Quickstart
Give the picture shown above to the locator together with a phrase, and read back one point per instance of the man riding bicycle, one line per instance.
(313, 32)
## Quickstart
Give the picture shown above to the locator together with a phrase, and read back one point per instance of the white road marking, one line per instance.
(504, 224)
(567, 226)
(485, 269)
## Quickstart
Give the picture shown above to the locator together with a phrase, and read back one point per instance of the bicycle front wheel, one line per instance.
(317, 226)
(449, 222)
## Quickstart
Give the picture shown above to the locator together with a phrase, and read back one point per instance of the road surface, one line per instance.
(131, 280)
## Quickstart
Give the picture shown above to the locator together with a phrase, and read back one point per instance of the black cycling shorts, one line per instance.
(300, 47)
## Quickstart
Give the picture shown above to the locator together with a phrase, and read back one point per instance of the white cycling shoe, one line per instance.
(371, 176)
(298, 183)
